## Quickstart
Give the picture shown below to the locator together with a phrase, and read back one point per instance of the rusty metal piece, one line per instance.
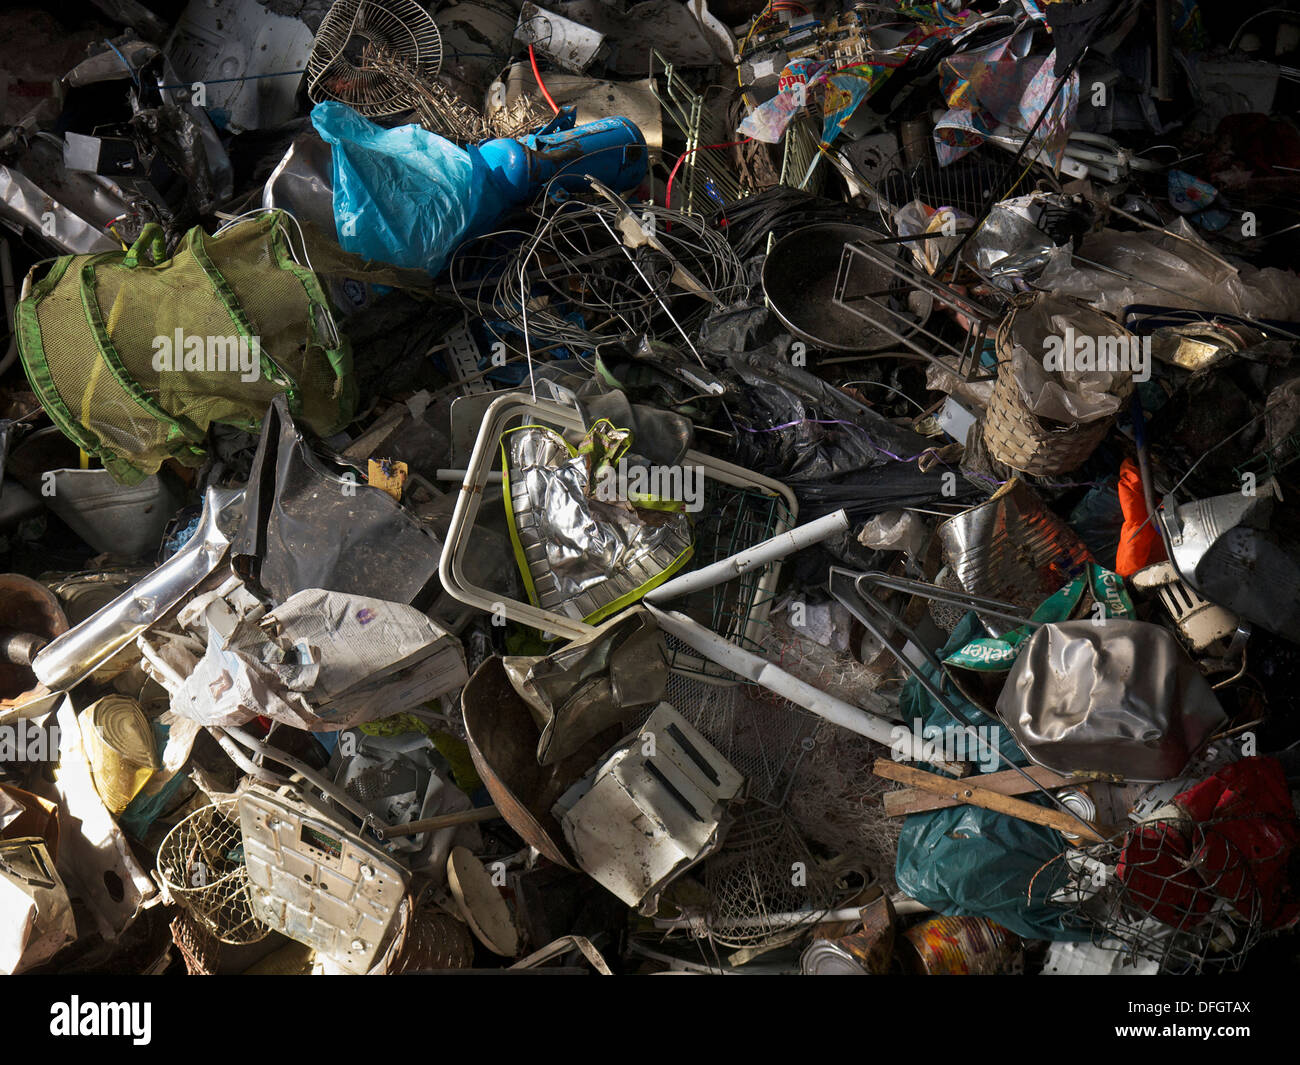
(867, 951)
(1012, 547)
(30, 608)
(946, 946)
(503, 743)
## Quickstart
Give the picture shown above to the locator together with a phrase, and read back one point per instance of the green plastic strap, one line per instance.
(151, 239)
(271, 370)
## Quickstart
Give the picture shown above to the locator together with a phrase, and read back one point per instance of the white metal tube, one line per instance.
(902, 905)
(752, 558)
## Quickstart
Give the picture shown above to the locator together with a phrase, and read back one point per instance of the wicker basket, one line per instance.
(1016, 436)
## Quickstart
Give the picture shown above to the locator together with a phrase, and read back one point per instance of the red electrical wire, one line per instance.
(532, 58)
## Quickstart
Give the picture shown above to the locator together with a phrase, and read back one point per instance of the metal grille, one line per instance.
(757, 732)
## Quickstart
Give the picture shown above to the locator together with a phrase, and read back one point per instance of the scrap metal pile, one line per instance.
(754, 487)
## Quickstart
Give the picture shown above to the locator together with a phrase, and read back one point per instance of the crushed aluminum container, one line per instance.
(591, 683)
(128, 521)
(1115, 697)
(1011, 547)
(650, 810)
(314, 879)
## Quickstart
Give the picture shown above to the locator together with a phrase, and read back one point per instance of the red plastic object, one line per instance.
(1245, 836)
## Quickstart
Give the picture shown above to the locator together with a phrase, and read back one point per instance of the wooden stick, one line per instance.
(1008, 782)
(964, 792)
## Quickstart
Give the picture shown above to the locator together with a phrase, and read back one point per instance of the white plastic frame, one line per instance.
(451, 568)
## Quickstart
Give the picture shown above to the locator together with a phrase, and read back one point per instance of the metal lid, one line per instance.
(827, 958)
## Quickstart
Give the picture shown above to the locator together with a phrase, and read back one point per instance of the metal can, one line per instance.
(1078, 802)
(825, 957)
(945, 946)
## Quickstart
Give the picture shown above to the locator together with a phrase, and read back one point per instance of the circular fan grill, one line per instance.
(339, 68)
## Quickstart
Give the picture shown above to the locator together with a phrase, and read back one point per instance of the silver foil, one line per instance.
(582, 554)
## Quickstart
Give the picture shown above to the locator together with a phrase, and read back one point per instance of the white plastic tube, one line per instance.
(742, 562)
(760, 671)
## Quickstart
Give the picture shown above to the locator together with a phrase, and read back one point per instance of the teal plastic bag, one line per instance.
(923, 716)
(403, 196)
(968, 861)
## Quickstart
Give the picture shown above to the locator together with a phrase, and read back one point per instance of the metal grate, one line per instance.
(733, 520)
(1190, 906)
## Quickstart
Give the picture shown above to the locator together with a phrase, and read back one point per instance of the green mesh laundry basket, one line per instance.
(134, 354)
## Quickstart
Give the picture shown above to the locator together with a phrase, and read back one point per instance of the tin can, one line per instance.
(951, 946)
(119, 745)
(826, 957)
(1078, 802)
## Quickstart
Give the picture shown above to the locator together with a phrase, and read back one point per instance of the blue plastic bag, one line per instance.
(403, 196)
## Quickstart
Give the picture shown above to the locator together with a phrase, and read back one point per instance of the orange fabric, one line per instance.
(1146, 548)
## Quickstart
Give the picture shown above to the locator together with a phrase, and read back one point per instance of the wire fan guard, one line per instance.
(337, 68)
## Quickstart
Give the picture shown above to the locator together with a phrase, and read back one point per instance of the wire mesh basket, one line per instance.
(765, 888)
(201, 861)
(1183, 895)
(733, 519)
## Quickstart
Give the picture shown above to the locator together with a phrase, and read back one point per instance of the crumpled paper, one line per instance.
(321, 661)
